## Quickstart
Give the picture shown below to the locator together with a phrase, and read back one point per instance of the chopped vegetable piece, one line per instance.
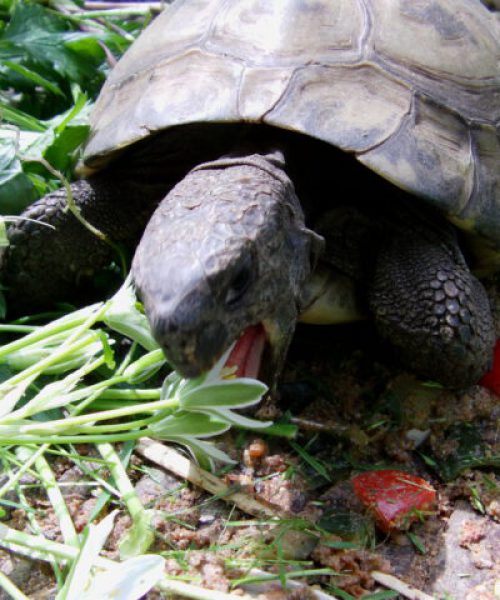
(491, 380)
(394, 497)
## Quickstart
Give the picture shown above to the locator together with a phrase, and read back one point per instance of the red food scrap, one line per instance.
(394, 497)
(491, 380)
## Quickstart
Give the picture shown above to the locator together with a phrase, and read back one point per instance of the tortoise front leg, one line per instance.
(431, 308)
(53, 257)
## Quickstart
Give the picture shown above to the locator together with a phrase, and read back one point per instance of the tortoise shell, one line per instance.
(410, 87)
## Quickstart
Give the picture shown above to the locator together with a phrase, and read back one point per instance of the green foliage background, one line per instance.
(53, 60)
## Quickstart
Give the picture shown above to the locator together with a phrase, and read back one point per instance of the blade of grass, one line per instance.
(10, 589)
(49, 482)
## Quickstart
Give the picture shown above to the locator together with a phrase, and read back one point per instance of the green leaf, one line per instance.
(34, 77)
(183, 423)
(41, 36)
(20, 119)
(318, 466)
(4, 242)
(385, 595)
(234, 418)
(139, 537)
(204, 452)
(417, 542)
(16, 190)
(232, 393)
(123, 316)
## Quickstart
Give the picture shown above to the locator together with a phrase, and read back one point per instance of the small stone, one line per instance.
(435, 284)
(442, 276)
(439, 295)
(452, 320)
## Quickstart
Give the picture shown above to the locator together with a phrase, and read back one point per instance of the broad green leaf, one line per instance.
(41, 36)
(19, 118)
(16, 190)
(34, 77)
(61, 153)
(234, 418)
(58, 144)
(232, 393)
(188, 424)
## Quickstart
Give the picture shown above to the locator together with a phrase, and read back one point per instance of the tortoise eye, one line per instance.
(239, 284)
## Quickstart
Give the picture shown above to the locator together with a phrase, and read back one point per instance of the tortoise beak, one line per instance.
(194, 352)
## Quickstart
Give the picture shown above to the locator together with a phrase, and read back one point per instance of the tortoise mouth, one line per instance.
(245, 358)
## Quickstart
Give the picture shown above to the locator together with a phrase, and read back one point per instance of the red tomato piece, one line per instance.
(491, 380)
(393, 497)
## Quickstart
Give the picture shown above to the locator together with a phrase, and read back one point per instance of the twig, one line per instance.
(170, 459)
(393, 583)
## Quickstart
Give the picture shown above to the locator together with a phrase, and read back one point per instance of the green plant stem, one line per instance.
(49, 482)
(70, 345)
(10, 589)
(140, 517)
(37, 531)
(73, 439)
(132, 394)
(44, 549)
(36, 405)
(108, 428)
(126, 411)
(37, 546)
(11, 328)
(63, 324)
(26, 466)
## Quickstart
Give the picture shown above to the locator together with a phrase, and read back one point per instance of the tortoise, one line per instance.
(231, 131)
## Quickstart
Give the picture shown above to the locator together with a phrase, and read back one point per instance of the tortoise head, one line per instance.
(225, 250)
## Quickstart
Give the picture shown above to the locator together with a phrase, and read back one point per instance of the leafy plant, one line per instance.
(53, 62)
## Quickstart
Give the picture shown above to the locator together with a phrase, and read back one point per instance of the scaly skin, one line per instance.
(228, 248)
(431, 308)
(57, 261)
